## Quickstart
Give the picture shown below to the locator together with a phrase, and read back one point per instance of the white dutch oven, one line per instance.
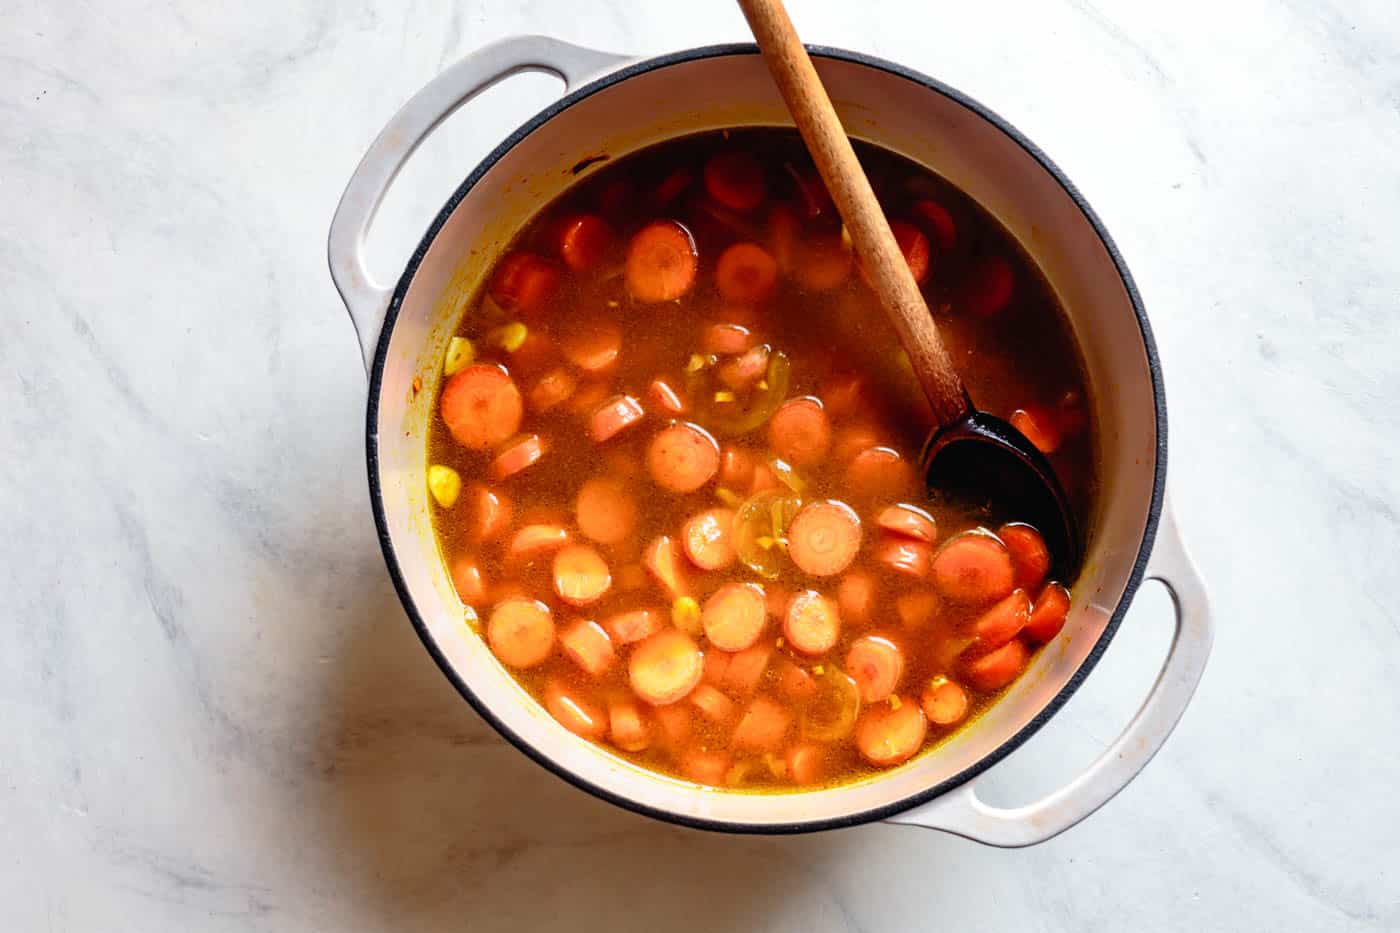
(614, 106)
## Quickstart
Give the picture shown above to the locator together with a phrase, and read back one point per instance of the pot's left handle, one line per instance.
(366, 300)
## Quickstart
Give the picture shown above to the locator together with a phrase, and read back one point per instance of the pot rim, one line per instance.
(817, 824)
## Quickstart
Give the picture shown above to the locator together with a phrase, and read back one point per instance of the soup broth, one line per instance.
(675, 466)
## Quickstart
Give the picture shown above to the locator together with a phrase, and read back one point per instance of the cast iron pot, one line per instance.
(614, 105)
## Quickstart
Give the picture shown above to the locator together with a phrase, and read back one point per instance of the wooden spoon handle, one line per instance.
(876, 250)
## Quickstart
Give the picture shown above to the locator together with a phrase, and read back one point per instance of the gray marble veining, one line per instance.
(214, 716)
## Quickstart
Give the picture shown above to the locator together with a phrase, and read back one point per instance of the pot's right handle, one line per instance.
(962, 812)
(366, 300)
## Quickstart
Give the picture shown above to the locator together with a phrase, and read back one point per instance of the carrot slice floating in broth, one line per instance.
(812, 624)
(735, 179)
(876, 665)
(682, 457)
(1003, 621)
(709, 539)
(576, 710)
(517, 455)
(715, 705)
(1030, 558)
(726, 338)
(1049, 613)
(589, 646)
(855, 596)
(614, 416)
(746, 668)
(823, 263)
(534, 540)
(880, 473)
(989, 288)
(1038, 425)
(605, 511)
(665, 668)
(585, 242)
(663, 560)
(800, 431)
(521, 632)
(824, 537)
(974, 568)
(735, 616)
(581, 576)
(636, 625)
(745, 273)
(490, 512)
(593, 346)
(467, 579)
(938, 222)
(910, 521)
(914, 245)
(996, 669)
(888, 734)
(552, 389)
(481, 406)
(661, 262)
(944, 702)
(524, 282)
(666, 396)
(763, 726)
(627, 727)
(806, 763)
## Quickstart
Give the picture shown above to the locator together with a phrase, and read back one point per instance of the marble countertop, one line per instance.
(214, 715)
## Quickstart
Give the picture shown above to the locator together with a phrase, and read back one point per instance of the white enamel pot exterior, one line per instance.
(614, 106)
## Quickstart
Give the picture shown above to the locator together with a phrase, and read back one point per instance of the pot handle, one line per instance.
(366, 300)
(962, 812)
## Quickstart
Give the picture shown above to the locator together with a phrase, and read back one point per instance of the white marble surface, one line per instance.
(214, 715)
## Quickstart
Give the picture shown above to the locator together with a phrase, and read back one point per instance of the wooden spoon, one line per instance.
(971, 454)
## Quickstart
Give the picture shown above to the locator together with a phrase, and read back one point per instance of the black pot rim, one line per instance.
(913, 800)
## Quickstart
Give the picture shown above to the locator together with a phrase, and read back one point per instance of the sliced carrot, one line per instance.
(854, 439)
(812, 624)
(575, 709)
(661, 262)
(891, 733)
(916, 608)
(585, 241)
(481, 406)
(672, 187)
(909, 521)
(715, 706)
(843, 395)
(716, 664)
(682, 457)
(880, 473)
(521, 632)
(735, 616)
(1003, 621)
(763, 479)
(1038, 425)
(734, 178)
(665, 667)
(735, 467)
(674, 724)
(665, 395)
(490, 512)
(534, 355)
(996, 669)
(627, 728)
(824, 537)
(743, 372)
(764, 725)
(989, 287)
(855, 597)
(636, 625)
(614, 416)
(823, 263)
(745, 273)
(973, 568)
(551, 389)
(663, 560)
(518, 454)
(709, 539)
(937, 222)
(466, 577)
(794, 682)
(581, 576)
(806, 763)
(800, 431)
(524, 282)
(1049, 613)
(705, 767)
(605, 510)
(593, 346)
(876, 665)
(534, 540)
(730, 339)
(746, 668)
(944, 702)
(904, 555)
(914, 245)
(784, 229)
(589, 646)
